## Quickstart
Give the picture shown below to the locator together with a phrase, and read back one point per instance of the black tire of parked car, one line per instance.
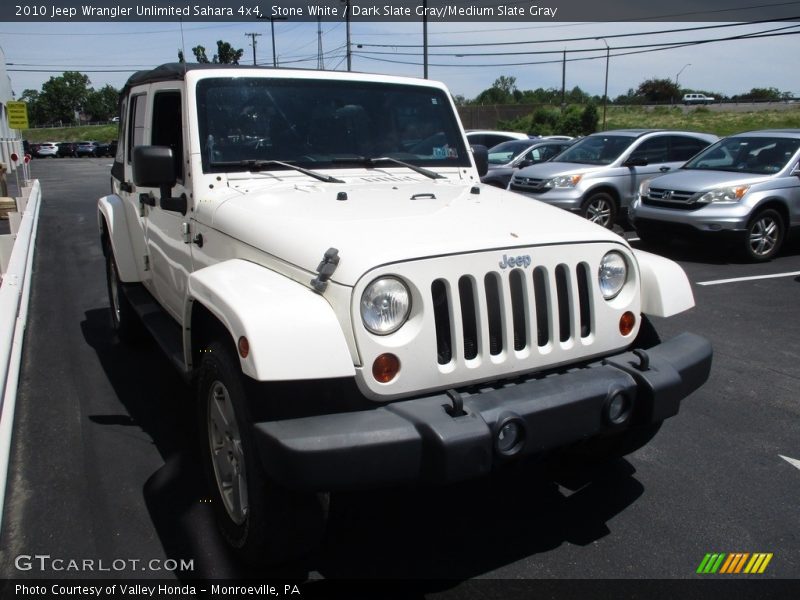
(124, 320)
(764, 236)
(277, 524)
(600, 208)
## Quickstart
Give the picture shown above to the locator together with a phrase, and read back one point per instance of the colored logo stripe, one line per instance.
(734, 563)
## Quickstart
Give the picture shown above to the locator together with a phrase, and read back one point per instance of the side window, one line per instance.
(683, 148)
(653, 150)
(167, 126)
(136, 123)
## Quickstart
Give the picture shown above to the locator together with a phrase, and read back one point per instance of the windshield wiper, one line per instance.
(371, 162)
(259, 165)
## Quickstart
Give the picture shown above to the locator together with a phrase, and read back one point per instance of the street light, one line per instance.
(679, 74)
(605, 91)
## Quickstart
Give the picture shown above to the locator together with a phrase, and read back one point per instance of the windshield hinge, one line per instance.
(325, 270)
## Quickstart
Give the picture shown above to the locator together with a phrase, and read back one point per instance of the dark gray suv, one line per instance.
(599, 175)
(745, 187)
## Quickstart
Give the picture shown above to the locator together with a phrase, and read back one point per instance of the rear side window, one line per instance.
(136, 123)
(653, 150)
(682, 147)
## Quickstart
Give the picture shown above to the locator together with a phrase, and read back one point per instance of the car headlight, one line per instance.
(726, 194)
(385, 305)
(644, 188)
(564, 181)
(612, 274)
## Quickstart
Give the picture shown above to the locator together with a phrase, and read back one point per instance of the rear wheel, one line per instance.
(600, 208)
(264, 522)
(764, 235)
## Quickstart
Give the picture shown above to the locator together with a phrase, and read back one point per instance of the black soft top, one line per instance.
(175, 72)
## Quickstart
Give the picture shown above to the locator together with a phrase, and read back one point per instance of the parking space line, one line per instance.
(753, 278)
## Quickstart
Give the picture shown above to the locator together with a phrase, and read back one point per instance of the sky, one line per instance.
(110, 52)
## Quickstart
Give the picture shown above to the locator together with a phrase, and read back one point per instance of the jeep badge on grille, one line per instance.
(523, 261)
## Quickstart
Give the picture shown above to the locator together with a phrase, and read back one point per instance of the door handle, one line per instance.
(664, 169)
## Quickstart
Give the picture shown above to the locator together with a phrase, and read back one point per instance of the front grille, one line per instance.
(529, 184)
(510, 311)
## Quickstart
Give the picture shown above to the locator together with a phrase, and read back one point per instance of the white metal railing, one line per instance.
(14, 297)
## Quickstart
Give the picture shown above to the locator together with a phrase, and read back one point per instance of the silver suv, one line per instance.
(599, 175)
(745, 187)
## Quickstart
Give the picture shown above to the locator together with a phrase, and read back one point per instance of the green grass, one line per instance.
(100, 133)
(721, 123)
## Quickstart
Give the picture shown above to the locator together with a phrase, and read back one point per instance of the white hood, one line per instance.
(390, 219)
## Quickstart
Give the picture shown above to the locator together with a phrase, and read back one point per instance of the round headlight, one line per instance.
(612, 274)
(385, 305)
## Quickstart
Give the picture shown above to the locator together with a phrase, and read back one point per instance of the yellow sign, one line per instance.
(17, 115)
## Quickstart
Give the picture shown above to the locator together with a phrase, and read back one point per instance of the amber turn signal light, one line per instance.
(626, 323)
(385, 368)
(244, 347)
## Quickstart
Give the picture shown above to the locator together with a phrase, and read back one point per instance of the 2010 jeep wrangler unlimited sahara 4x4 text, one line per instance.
(315, 253)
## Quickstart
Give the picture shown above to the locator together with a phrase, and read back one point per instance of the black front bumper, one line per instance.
(422, 441)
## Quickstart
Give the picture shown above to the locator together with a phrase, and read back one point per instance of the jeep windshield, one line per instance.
(741, 154)
(319, 124)
(596, 150)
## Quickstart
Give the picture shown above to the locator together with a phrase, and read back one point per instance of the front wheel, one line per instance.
(264, 522)
(124, 320)
(764, 235)
(600, 208)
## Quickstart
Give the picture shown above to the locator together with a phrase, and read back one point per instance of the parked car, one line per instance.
(491, 138)
(745, 187)
(87, 149)
(112, 148)
(103, 149)
(66, 149)
(32, 148)
(598, 176)
(697, 99)
(47, 149)
(507, 157)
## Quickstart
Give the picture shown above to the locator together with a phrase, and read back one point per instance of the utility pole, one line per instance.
(605, 92)
(425, 38)
(564, 82)
(320, 56)
(253, 36)
(347, 25)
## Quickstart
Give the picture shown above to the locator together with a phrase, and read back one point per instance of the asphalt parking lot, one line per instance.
(103, 467)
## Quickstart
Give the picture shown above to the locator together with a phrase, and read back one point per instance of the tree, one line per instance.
(226, 54)
(658, 90)
(65, 96)
(102, 103)
(36, 114)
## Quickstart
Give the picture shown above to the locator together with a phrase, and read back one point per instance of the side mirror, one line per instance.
(525, 163)
(481, 156)
(635, 162)
(154, 166)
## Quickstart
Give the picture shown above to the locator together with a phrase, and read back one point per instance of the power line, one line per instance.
(579, 39)
(659, 47)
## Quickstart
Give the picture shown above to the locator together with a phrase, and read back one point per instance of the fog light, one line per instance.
(626, 323)
(617, 408)
(510, 437)
(385, 368)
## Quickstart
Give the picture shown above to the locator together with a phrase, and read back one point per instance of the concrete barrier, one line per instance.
(14, 297)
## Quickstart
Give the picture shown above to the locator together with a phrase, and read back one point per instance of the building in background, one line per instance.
(10, 139)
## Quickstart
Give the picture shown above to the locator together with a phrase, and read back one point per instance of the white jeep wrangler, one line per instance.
(315, 253)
